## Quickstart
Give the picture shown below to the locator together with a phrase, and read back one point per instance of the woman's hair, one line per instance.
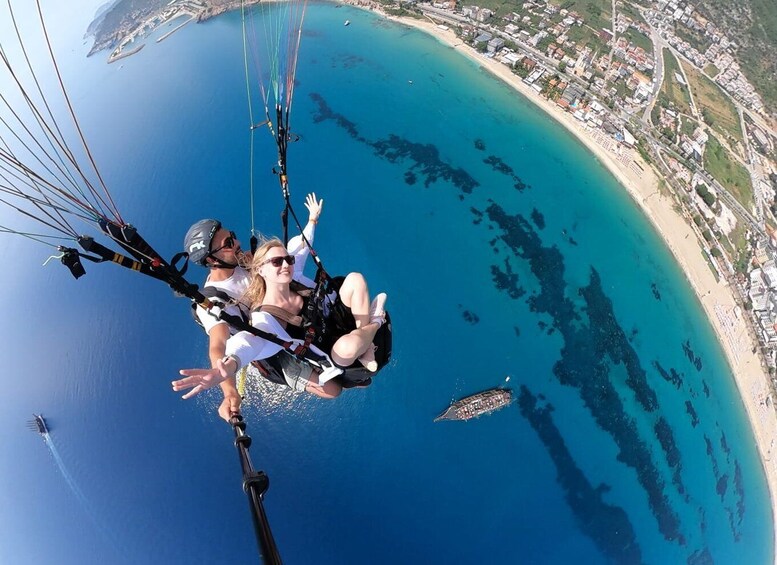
(255, 292)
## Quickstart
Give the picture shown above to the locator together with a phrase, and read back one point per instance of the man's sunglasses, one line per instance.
(278, 261)
(229, 243)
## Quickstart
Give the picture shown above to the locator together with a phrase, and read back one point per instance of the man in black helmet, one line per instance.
(212, 246)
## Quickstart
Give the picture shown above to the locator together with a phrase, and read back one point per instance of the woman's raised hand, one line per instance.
(314, 207)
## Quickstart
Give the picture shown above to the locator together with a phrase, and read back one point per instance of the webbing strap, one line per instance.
(281, 314)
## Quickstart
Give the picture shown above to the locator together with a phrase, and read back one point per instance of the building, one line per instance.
(495, 44)
(511, 59)
(484, 37)
(770, 274)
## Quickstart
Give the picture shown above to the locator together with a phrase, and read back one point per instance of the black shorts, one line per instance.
(339, 322)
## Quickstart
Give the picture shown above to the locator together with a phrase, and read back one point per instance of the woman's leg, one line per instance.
(351, 346)
(355, 294)
(358, 343)
(329, 390)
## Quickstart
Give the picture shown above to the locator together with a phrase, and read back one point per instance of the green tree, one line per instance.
(706, 195)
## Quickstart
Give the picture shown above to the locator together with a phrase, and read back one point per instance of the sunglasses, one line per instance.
(278, 261)
(229, 243)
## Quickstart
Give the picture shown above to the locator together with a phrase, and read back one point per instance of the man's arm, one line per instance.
(218, 336)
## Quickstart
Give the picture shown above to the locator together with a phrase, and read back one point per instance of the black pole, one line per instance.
(255, 484)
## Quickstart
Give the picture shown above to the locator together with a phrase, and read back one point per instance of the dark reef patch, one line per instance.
(691, 355)
(425, 158)
(739, 490)
(734, 517)
(350, 61)
(612, 341)
(711, 455)
(470, 317)
(724, 444)
(426, 161)
(721, 486)
(671, 376)
(538, 218)
(498, 165)
(607, 525)
(656, 293)
(568, 237)
(326, 113)
(666, 439)
(588, 352)
(480, 145)
(692, 413)
(507, 280)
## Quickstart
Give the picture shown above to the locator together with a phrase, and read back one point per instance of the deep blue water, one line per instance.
(506, 250)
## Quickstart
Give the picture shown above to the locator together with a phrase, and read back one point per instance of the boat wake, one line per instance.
(78, 493)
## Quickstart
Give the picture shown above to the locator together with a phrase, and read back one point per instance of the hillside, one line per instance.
(752, 24)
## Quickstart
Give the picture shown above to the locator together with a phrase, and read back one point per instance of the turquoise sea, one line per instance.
(506, 250)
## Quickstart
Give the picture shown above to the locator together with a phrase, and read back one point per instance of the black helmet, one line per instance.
(198, 240)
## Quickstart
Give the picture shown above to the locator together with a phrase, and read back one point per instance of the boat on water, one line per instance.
(477, 405)
(38, 424)
(347, 23)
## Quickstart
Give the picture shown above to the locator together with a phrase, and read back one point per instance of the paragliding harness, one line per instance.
(270, 369)
(218, 298)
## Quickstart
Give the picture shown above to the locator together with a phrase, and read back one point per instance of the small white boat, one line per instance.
(347, 23)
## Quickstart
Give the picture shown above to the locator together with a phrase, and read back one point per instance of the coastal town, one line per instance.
(123, 33)
(656, 84)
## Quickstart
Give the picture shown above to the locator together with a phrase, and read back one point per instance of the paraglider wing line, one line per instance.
(73, 116)
(59, 138)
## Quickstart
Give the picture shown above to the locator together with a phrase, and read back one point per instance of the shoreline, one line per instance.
(642, 183)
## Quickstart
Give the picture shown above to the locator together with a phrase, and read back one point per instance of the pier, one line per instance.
(176, 28)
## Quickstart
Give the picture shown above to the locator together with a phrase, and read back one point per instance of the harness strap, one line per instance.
(281, 314)
(310, 335)
(310, 320)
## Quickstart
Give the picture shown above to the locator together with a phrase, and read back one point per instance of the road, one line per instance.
(641, 125)
(658, 72)
(752, 221)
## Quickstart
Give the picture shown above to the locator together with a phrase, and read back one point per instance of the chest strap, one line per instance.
(280, 314)
(295, 320)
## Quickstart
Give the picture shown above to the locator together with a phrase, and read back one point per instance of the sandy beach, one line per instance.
(642, 183)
